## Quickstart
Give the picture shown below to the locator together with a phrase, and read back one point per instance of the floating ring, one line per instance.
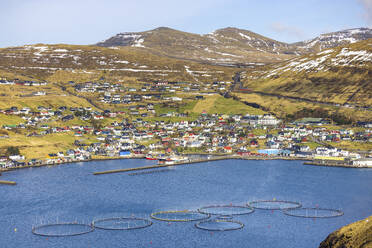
(274, 204)
(36, 230)
(98, 223)
(235, 225)
(201, 216)
(212, 210)
(313, 212)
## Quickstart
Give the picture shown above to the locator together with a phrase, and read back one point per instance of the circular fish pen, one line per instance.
(121, 223)
(274, 205)
(62, 229)
(179, 216)
(313, 212)
(226, 210)
(219, 225)
(225, 217)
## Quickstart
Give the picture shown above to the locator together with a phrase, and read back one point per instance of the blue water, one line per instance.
(70, 192)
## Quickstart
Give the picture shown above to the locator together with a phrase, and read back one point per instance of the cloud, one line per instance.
(291, 31)
(367, 7)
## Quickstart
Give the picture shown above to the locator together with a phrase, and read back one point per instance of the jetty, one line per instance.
(190, 161)
(164, 165)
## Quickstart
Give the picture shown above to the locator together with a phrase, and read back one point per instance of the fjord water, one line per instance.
(70, 192)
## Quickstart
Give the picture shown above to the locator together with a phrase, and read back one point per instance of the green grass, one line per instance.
(282, 107)
(352, 145)
(219, 104)
(357, 234)
(14, 96)
(337, 84)
(10, 120)
(40, 147)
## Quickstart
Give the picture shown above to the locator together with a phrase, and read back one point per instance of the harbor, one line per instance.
(70, 193)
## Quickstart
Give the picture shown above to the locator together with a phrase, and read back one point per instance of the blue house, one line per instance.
(124, 153)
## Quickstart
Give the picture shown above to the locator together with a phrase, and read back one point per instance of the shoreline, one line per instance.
(65, 162)
(317, 163)
(216, 158)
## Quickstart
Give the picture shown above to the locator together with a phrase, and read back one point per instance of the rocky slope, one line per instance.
(48, 61)
(355, 235)
(334, 39)
(340, 75)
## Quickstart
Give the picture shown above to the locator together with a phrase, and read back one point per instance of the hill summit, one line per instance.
(230, 46)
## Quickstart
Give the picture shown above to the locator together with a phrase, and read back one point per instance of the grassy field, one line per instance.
(81, 63)
(10, 120)
(19, 96)
(357, 234)
(345, 81)
(40, 147)
(352, 145)
(218, 104)
(282, 106)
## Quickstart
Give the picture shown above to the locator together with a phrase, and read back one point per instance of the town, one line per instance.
(150, 120)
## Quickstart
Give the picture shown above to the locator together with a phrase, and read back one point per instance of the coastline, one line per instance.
(329, 164)
(67, 162)
(216, 157)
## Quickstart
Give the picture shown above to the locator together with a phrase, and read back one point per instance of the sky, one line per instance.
(90, 21)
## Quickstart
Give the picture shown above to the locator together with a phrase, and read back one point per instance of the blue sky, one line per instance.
(89, 21)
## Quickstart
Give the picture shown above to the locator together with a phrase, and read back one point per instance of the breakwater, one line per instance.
(8, 182)
(149, 172)
(162, 165)
(333, 164)
(191, 161)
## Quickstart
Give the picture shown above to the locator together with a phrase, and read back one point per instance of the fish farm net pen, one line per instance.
(121, 223)
(179, 216)
(218, 225)
(313, 212)
(274, 204)
(42, 230)
(226, 210)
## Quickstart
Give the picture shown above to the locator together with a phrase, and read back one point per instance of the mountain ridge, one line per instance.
(230, 45)
(223, 46)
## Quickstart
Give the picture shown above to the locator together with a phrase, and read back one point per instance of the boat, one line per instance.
(151, 157)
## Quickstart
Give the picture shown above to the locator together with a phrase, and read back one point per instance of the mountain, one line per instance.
(224, 46)
(334, 39)
(74, 62)
(340, 75)
(230, 46)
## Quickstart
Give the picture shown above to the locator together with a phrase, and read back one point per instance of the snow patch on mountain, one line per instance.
(245, 36)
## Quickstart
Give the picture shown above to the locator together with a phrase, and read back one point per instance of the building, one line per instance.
(363, 162)
(124, 153)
